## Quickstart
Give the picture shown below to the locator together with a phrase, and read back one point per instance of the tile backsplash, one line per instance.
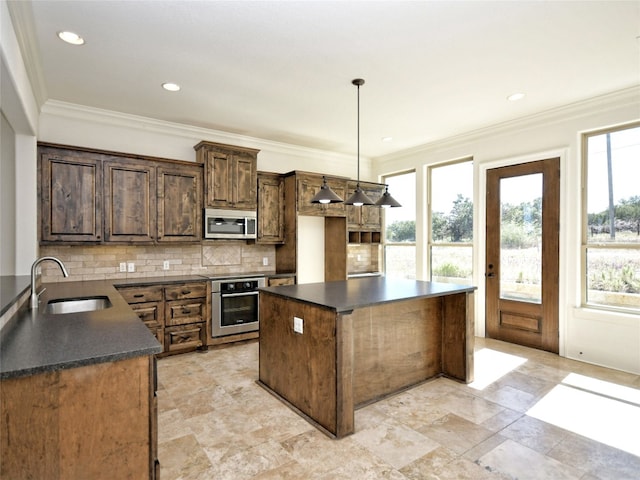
(363, 258)
(101, 262)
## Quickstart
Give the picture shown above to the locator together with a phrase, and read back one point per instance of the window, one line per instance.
(611, 220)
(400, 227)
(451, 226)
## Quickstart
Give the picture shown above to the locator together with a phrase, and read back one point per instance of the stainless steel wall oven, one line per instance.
(234, 305)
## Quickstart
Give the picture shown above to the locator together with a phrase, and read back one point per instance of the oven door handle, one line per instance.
(242, 294)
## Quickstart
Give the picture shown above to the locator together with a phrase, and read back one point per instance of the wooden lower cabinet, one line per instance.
(148, 303)
(96, 421)
(176, 313)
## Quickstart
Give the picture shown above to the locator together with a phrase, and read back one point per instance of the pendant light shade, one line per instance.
(359, 197)
(386, 200)
(326, 195)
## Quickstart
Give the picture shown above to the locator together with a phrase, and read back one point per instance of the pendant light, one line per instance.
(386, 200)
(326, 195)
(358, 198)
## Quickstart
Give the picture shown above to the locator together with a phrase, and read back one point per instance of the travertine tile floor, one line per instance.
(528, 415)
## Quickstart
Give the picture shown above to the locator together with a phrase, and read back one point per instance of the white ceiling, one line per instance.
(282, 70)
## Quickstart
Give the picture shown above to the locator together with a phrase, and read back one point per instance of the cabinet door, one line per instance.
(309, 185)
(244, 181)
(366, 217)
(219, 174)
(71, 196)
(179, 203)
(371, 218)
(270, 209)
(130, 201)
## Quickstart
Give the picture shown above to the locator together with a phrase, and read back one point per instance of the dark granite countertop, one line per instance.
(35, 342)
(344, 296)
(12, 287)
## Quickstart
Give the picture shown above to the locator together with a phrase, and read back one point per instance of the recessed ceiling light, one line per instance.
(70, 37)
(514, 97)
(387, 139)
(171, 87)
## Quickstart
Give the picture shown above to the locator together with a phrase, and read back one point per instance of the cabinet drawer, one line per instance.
(151, 313)
(188, 290)
(151, 293)
(275, 281)
(180, 312)
(183, 337)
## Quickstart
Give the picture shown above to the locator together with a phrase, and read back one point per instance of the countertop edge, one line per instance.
(291, 292)
(27, 372)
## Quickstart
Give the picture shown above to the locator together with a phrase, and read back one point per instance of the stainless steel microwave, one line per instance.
(229, 224)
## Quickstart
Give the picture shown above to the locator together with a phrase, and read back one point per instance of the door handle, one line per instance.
(491, 274)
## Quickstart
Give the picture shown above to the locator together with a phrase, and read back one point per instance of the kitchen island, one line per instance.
(329, 348)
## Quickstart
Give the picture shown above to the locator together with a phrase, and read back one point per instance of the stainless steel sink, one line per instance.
(76, 305)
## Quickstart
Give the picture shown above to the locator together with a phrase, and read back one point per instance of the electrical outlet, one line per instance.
(131, 267)
(123, 266)
(165, 265)
(265, 261)
(298, 325)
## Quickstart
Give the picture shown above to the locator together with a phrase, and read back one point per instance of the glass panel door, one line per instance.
(521, 238)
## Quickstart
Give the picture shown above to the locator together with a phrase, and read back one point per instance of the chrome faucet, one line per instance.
(35, 296)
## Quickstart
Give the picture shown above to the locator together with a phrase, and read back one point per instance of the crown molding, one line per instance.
(24, 27)
(147, 124)
(600, 104)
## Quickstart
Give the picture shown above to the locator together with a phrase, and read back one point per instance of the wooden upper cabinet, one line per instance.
(104, 197)
(70, 196)
(179, 194)
(308, 184)
(366, 217)
(270, 208)
(130, 201)
(230, 175)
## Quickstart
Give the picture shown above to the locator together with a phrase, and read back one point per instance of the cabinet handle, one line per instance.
(138, 295)
(186, 311)
(186, 292)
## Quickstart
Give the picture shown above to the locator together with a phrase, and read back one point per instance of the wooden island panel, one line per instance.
(302, 360)
(395, 345)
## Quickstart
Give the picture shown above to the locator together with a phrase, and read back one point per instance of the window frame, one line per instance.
(385, 242)
(584, 237)
(430, 242)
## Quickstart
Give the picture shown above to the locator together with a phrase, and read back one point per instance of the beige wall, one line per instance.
(598, 337)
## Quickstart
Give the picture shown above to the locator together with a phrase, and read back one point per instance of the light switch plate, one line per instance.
(298, 325)
(165, 265)
(131, 267)
(123, 266)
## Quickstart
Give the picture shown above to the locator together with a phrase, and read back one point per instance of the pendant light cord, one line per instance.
(358, 85)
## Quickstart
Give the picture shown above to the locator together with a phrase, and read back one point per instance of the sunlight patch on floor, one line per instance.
(490, 365)
(602, 411)
(608, 389)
